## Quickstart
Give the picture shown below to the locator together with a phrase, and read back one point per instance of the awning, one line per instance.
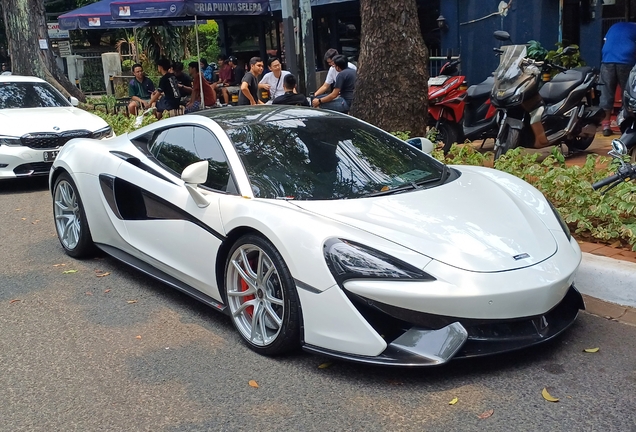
(275, 5)
(94, 16)
(171, 9)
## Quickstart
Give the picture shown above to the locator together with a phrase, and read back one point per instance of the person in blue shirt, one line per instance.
(208, 72)
(619, 56)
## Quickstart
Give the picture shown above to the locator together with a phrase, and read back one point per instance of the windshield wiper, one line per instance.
(403, 188)
(440, 179)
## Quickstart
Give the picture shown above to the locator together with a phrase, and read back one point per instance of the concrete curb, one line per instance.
(609, 287)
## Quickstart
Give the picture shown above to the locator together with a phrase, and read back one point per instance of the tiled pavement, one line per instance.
(601, 145)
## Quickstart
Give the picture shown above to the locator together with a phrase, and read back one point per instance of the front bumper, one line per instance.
(446, 338)
(20, 161)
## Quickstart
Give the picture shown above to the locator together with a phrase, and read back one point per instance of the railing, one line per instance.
(92, 80)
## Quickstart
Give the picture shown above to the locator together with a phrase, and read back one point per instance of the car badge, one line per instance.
(56, 128)
(521, 256)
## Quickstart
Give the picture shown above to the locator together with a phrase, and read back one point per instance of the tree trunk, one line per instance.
(392, 83)
(25, 26)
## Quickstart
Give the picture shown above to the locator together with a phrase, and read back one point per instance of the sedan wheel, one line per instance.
(70, 220)
(262, 297)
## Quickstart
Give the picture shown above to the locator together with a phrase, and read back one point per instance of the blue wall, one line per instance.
(537, 19)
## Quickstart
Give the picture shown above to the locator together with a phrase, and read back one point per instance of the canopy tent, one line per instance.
(97, 16)
(94, 16)
(171, 9)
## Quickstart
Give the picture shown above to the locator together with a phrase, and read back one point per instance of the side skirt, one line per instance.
(146, 268)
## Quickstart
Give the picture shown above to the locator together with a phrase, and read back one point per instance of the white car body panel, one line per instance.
(465, 234)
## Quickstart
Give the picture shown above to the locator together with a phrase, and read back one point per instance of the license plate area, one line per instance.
(49, 156)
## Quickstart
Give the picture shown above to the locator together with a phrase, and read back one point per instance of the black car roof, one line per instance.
(232, 117)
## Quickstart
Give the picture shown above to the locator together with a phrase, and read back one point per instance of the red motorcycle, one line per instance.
(457, 113)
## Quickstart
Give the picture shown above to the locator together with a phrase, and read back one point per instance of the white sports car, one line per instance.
(35, 121)
(314, 229)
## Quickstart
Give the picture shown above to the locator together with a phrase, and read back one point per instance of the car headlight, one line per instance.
(10, 141)
(566, 230)
(350, 260)
(102, 133)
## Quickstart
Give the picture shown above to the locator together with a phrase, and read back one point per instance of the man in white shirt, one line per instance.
(273, 81)
(332, 74)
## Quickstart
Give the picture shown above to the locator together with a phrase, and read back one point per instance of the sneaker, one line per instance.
(607, 132)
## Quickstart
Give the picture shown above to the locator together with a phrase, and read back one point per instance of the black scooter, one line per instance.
(627, 118)
(537, 115)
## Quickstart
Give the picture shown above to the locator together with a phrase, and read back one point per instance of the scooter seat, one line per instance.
(563, 83)
(482, 89)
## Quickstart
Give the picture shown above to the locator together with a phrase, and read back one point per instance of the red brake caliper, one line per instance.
(244, 287)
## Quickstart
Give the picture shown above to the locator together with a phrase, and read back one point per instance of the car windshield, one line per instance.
(510, 69)
(316, 157)
(30, 95)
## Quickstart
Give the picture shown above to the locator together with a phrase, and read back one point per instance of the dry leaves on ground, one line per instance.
(131, 301)
(138, 337)
(324, 365)
(14, 301)
(453, 401)
(107, 291)
(253, 383)
(69, 271)
(59, 265)
(100, 273)
(591, 350)
(486, 414)
(547, 396)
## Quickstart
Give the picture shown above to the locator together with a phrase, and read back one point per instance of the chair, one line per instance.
(121, 103)
(104, 104)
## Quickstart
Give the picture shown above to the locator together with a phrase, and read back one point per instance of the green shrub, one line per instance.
(122, 124)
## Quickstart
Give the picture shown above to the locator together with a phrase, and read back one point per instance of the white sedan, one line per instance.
(313, 229)
(35, 122)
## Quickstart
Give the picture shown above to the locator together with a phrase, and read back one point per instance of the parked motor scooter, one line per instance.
(625, 171)
(457, 113)
(536, 115)
(627, 117)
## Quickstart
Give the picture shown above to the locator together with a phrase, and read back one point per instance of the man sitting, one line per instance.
(184, 80)
(332, 74)
(225, 78)
(290, 97)
(140, 90)
(168, 88)
(273, 81)
(208, 71)
(237, 77)
(341, 98)
(209, 95)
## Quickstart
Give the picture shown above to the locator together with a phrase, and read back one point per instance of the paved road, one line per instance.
(76, 355)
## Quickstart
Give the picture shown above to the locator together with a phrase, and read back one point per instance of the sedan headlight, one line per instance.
(565, 227)
(10, 141)
(350, 260)
(102, 133)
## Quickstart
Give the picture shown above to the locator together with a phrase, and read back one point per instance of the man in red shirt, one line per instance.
(225, 77)
(209, 93)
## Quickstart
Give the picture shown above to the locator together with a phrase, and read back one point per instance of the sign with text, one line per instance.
(55, 32)
(65, 48)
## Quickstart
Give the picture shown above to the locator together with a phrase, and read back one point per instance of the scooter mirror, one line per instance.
(568, 50)
(502, 35)
(618, 147)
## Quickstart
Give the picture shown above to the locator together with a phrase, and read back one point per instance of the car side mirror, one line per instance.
(73, 101)
(194, 175)
(421, 143)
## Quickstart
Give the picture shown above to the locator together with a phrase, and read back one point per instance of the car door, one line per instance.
(165, 223)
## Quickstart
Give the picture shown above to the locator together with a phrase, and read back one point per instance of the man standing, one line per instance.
(209, 95)
(273, 81)
(249, 86)
(341, 98)
(168, 88)
(333, 73)
(619, 56)
(140, 90)
(290, 97)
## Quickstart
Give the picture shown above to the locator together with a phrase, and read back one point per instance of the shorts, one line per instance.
(165, 105)
(611, 75)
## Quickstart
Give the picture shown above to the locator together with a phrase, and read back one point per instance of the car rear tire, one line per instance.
(70, 219)
(261, 296)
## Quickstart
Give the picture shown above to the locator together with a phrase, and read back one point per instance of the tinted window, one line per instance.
(327, 157)
(178, 147)
(30, 95)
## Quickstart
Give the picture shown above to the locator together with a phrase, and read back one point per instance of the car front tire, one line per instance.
(261, 296)
(70, 219)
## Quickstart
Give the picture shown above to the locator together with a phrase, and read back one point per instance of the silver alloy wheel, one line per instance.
(67, 214)
(255, 295)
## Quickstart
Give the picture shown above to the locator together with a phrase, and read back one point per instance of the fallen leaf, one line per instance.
(18, 209)
(453, 402)
(615, 244)
(324, 365)
(591, 350)
(486, 414)
(89, 293)
(23, 218)
(14, 300)
(138, 337)
(131, 301)
(69, 271)
(102, 274)
(547, 396)
(107, 291)
(253, 383)
(59, 265)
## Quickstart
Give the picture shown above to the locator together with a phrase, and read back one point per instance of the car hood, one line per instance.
(469, 223)
(19, 121)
